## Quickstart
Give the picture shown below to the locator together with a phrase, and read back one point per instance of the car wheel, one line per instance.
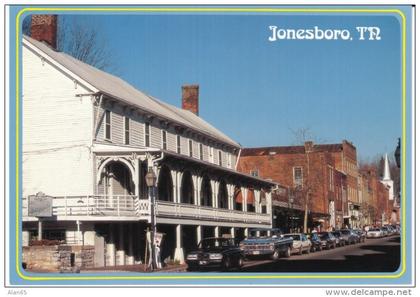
(275, 255)
(301, 251)
(226, 263)
(288, 252)
(240, 262)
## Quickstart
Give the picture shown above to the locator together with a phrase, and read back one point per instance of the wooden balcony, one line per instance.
(131, 208)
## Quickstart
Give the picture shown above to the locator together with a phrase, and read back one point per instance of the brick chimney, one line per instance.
(44, 28)
(190, 98)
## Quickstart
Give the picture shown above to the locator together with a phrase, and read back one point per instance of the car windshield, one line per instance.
(337, 234)
(374, 230)
(215, 243)
(324, 236)
(345, 231)
(293, 236)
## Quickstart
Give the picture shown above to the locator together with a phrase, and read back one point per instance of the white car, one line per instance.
(301, 243)
(375, 233)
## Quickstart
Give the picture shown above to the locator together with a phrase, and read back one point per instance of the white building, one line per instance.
(89, 138)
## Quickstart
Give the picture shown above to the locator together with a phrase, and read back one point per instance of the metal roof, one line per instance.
(119, 89)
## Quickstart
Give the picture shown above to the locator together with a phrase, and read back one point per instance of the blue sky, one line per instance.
(257, 91)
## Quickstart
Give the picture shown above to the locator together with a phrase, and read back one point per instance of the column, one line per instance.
(178, 187)
(136, 178)
(232, 232)
(179, 251)
(268, 202)
(25, 238)
(246, 232)
(244, 198)
(39, 229)
(110, 247)
(120, 255)
(217, 231)
(130, 256)
(199, 234)
(215, 192)
(174, 175)
(257, 195)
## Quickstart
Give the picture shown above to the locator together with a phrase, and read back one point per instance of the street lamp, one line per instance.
(151, 182)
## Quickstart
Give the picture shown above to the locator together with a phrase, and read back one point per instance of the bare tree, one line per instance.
(80, 39)
(313, 181)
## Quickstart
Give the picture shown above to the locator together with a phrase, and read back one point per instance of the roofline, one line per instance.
(40, 52)
(97, 91)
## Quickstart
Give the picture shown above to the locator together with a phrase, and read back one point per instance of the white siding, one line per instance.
(57, 131)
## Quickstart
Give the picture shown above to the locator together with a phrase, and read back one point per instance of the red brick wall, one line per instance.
(279, 168)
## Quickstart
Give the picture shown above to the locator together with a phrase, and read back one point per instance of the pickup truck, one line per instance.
(267, 242)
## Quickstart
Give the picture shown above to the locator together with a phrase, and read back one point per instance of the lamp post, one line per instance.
(150, 182)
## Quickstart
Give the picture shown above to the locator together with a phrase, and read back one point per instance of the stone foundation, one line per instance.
(58, 258)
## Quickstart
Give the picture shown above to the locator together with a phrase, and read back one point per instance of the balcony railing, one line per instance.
(191, 211)
(126, 206)
(95, 206)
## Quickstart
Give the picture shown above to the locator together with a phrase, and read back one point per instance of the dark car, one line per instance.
(339, 238)
(327, 240)
(349, 236)
(216, 252)
(316, 242)
(266, 242)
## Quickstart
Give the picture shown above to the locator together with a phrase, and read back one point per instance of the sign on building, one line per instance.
(40, 205)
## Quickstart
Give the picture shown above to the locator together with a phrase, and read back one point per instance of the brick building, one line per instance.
(312, 179)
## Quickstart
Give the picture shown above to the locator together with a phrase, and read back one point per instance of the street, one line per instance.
(374, 255)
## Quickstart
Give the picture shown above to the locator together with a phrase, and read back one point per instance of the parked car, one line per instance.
(340, 241)
(361, 234)
(349, 236)
(268, 242)
(328, 240)
(301, 243)
(385, 231)
(216, 252)
(316, 244)
(374, 233)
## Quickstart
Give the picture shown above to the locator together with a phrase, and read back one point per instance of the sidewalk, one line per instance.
(135, 268)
